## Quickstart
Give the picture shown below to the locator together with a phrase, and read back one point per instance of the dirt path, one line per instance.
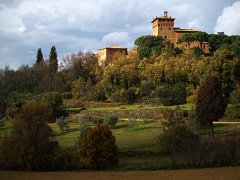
(229, 173)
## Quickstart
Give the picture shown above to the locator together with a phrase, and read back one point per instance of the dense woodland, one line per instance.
(153, 72)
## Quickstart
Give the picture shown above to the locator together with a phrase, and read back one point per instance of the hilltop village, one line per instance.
(161, 26)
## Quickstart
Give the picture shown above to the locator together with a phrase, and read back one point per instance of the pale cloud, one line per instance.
(228, 22)
(120, 38)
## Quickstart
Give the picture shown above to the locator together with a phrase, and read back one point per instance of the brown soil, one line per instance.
(228, 173)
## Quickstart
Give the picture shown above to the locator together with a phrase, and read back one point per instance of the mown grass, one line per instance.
(143, 136)
(133, 107)
(140, 136)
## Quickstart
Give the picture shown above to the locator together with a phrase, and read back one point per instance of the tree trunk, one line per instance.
(211, 125)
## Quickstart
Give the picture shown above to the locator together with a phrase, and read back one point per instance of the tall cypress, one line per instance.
(39, 56)
(53, 62)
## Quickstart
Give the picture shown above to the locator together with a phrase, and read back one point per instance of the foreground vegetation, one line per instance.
(79, 115)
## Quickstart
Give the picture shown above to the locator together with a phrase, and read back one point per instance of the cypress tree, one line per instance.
(53, 62)
(39, 56)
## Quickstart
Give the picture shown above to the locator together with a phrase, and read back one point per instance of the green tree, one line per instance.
(149, 45)
(201, 37)
(171, 95)
(210, 105)
(110, 121)
(55, 103)
(53, 61)
(98, 149)
(188, 38)
(218, 40)
(39, 56)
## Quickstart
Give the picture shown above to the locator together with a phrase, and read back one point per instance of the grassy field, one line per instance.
(132, 107)
(137, 141)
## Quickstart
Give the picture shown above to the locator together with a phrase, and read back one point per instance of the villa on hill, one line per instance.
(161, 26)
(164, 26)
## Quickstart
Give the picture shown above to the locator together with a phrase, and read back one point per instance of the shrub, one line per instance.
(146, 88)
(232, 113)
(116, 96)
(55, 103)
(101, 94)
(98, 149)
(62, 124)
(130, 95)
(3, 108)
(84, 124)
(175, 132)
(111, 121)
(28, 146)
(171, 95)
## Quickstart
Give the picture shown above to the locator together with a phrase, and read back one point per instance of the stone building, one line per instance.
(106, 54)
(164, 26)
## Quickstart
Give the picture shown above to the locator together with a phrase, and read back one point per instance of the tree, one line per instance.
(55, 103)
(210, 105)
(29, 146)
(189, 38)
(53, 61)
(170, 95)
(149, 45)
(98, 149)
(175, 132)
(111, 121)
(201, 37)
(39, 56)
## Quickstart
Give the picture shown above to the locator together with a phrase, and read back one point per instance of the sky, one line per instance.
(83, 25)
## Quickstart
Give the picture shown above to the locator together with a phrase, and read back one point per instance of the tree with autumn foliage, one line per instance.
(210, 105)
(98, 149)
(28, 146)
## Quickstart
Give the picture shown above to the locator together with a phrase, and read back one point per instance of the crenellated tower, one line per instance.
(164, 26)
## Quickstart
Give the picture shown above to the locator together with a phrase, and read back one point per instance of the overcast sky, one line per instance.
(73, 25)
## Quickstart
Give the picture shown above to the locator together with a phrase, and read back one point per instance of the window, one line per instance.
(169, 28)
(165, 37)
(204, 47)
(161, 28)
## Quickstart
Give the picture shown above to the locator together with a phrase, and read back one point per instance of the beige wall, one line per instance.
(106, 55)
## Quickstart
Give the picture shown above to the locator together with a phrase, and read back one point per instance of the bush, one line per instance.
(235, 98)
(146, 88)
(55, 103)
(84, 124)
(62, 124)
(171, 95)
(29, 146)
(130, 95)
(220, 152)
(111, 121)
(232, 113)
(98, 149)
(175, 132)
(3, 108)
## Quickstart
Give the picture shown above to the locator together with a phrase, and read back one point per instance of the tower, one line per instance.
(163, 26)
